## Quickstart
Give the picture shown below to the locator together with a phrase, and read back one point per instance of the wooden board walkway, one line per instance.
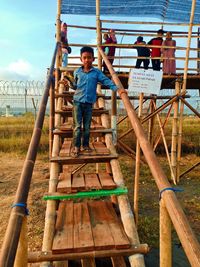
(87, 226)
(69, 183)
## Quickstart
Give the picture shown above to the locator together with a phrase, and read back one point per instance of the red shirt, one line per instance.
(156, 52)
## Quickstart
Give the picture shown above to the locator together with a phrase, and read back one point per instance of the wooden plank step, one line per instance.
(95, 112)
(100, 148)
(93, 132)
(87, 226)
(92, 181)
(66, 148)
(106, 180)
(64, 231)
(84, 159)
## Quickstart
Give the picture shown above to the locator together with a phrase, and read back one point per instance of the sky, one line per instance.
(27, 37)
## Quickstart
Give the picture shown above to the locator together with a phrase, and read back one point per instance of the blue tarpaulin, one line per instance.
(168, 10)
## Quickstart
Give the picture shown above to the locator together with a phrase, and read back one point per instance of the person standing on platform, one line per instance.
(169, 62)
(109, 50)
(156, 51)
(142, 52)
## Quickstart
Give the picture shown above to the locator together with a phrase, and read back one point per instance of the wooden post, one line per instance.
(21, 259)
(184, 88)
(114, 117)
(175, 132)
(165, 237)
(137, 167)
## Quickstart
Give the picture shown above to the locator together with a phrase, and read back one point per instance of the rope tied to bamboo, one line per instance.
(169, 188)
(24, 205)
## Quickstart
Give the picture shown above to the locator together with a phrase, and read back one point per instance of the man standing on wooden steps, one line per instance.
(86, 78)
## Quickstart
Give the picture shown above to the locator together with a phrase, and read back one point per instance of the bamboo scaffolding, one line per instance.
(137, 167)
(122, 30)
(184, 89)
(149, 22)
(21, 259)
(151, 121)
(11, 239)
(135, 45)
(163, 126)
(190, 169)
(51, 118)
(180, 222)
(165, 237)
(165, 145)
(190, 107)
(136, 260)
(175, 131)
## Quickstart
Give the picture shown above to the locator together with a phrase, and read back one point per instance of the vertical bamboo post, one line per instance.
(51, 118)
(99, 41)
(151, 122)
(114, 117)
(58, 38)
(175, 132)
(184, 88)
(165, 237)
(21, 258)
(137, 167)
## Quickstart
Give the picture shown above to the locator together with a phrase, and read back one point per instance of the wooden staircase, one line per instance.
(87, 220)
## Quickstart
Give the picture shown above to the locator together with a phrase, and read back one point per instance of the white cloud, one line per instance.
(20, 67)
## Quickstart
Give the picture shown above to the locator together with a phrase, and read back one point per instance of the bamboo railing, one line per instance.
(171, 206)
(18, 211)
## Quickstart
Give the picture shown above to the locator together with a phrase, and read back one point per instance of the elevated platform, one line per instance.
(168, 82)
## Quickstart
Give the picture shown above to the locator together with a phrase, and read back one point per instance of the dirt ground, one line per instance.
(10, 170)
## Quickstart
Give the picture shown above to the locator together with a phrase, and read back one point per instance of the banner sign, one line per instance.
(145, 81)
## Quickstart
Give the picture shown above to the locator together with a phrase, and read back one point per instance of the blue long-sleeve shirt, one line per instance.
(86, 84)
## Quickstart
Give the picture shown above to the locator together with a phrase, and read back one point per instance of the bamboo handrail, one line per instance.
(148, 22)
(135, 45)
(179, 220)
(11, 239)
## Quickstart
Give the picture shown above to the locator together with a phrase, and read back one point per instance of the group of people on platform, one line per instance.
(166, 50)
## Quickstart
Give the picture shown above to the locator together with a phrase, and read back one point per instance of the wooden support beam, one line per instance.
(48, 256)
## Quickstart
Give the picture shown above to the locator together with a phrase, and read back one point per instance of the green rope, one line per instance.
(89, 194)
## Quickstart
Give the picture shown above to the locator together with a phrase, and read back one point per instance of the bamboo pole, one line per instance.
(175, 131)
(184, 89)
(58, 38)
(11, 238)
(51, 118)
(166, 148)
(147, 22)
(21, 259)
(151, 121)
(163, 126)
(190, 107)
(50, 216)
(191, 168)
(165, 237)
(189, 242)
(137, 167)
(114, 116)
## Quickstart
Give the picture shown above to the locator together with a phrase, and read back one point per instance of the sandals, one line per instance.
(87, 149)
(75, 153)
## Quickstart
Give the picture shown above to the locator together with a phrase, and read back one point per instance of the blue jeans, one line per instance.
(64, 59)
(82, 113)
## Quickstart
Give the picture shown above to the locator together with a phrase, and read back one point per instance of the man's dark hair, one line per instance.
(87, 49)
(160, 31)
